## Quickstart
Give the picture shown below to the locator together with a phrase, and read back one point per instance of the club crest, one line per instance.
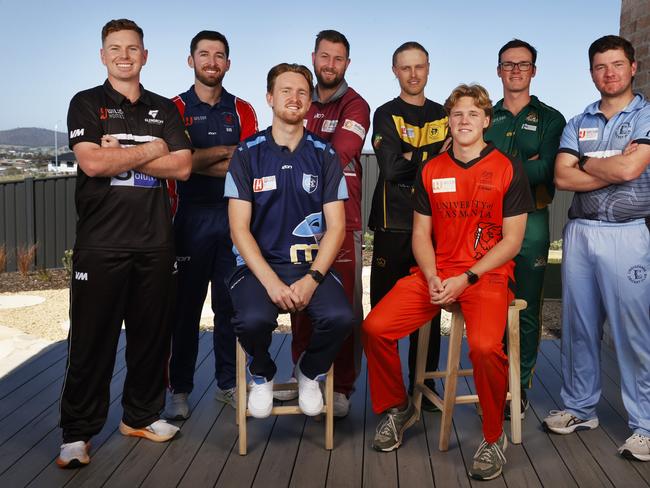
(309, 183)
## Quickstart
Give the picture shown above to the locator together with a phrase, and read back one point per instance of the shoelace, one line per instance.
(639, 439)
(489, 451)
(387, 426)
(558, 412)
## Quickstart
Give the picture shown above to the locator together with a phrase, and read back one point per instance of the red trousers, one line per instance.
(407, 307)
(348, 362)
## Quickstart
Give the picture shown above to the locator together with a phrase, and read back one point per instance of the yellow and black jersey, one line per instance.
(400, 128)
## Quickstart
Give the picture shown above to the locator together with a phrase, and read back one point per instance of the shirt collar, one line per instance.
(637, 102)
(194, 100)
(534, 102)
(337, 94)
(120, 99)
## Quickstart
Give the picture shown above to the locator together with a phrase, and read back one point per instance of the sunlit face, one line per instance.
(124, 55)
(290, 98)
(210, 62)
(330, 63)
(412, 71)
(516, 80)
(612, 72)
(467, 122)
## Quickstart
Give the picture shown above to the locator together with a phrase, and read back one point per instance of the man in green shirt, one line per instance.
(529, 130)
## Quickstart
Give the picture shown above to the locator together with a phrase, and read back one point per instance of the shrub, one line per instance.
(368, 240)
(66, 260)
(25, 257)
(556, 245)
(3, 258)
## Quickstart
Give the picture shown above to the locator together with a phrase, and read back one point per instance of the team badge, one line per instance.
(623, 130)
(637, 274)
(228, 118)
(376, 141)
(532, 118)
(309, 182)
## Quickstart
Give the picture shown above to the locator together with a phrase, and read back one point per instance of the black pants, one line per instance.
(392, 258)
(256, 318)
(109, 287)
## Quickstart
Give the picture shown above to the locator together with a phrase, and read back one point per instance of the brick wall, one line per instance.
(635, 27)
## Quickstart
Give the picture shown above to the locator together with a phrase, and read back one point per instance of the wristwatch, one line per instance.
(316, 275)
(582, 161)
(472, 278)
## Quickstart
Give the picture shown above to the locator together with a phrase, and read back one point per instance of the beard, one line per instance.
(329, 84)
(209, 80)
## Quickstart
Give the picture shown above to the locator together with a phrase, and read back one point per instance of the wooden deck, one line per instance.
(288, 450)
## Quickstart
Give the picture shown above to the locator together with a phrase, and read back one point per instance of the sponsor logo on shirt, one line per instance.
(329, 125)
(286, 166)
(153, 113)
(110, 113)
(76, 133)
(443, 185)
(309, 182)
(81, 275)
(319, 115)
(355, 127)
(529, 127)
(153, 120)
(135, 179)
(589, 134)
(266, 183)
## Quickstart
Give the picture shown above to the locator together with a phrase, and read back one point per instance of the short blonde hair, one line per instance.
(475, 91)
(282, 68)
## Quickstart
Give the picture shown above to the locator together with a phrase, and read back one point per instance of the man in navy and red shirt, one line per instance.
(216, 121)
(286, 211)
(341, 116)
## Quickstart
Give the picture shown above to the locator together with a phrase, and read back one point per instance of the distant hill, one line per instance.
(31, 137)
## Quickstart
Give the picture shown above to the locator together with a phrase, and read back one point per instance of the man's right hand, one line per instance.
(435, 288)
(283, 296)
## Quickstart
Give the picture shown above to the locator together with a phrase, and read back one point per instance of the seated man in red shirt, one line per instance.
(470, 214)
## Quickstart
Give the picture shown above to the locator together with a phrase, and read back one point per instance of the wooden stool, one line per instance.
(447, 403)
(242, 402)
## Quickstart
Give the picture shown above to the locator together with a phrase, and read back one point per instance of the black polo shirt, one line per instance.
(129, 211)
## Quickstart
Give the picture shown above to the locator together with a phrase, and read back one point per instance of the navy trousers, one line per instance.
(204, 255)
(256, 318)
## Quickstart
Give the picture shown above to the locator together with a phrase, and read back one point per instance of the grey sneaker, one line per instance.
(489, 459)
(286, 395)
(563, 422)
(636, 447)
(177, 407)
(391, 427)
(341, 405)
(227, 396)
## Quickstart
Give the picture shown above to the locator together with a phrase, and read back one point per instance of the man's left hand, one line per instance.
(304, 288)
(453, 287)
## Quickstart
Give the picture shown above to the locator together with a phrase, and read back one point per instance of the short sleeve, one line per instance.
(334, 186)
(420, 199)
(641, 132)
(239, 183)
(518, 198)
(175, 136)
(83, 121)
(569, 139)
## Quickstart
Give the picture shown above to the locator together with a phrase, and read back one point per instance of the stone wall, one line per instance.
(635, 27)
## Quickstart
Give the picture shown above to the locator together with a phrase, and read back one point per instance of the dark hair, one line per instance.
(607, 43)
(409, 45)
(210, 36)
(119, 25)
(475, 91)
(282, 68)
(332, 36)
(518, 43)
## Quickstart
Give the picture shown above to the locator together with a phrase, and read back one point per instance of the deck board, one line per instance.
(289, 450)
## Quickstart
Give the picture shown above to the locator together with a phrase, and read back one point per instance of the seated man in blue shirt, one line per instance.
(286, 191)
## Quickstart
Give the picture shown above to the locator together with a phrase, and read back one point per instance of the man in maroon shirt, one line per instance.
(341, 116)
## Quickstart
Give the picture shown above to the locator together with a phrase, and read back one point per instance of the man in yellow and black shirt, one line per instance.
(407, 132)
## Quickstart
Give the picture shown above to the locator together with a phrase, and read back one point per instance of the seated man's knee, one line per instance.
(485, 350)
(374, 325)
(251, 321)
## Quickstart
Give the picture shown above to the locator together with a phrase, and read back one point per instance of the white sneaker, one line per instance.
(73, 455)
(177, 408)
(158, 431)
(563, 422)
(341, 405)
(310, 398)
(636, 447)
(260, 397)
(286, 395)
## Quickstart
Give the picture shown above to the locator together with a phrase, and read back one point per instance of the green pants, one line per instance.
(530, 265)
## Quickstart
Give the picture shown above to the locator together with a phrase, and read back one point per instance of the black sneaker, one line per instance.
(524, 406)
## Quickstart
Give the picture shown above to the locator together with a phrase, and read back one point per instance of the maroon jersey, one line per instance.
(344, 121)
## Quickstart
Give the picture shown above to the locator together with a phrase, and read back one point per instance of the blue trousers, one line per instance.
(256, 318)
(204, 255)
(606, 274)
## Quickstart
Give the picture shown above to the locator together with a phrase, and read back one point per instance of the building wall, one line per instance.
(635, 27)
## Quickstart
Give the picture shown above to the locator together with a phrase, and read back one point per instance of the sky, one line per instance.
(50, 50)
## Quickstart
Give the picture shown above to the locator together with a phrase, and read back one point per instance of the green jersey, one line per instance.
(532, 133)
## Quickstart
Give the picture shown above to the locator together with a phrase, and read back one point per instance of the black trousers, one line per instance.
(256, 318)
(109, 287)
(392, 258)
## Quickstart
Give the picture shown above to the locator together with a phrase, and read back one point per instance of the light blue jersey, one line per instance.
(591, 134)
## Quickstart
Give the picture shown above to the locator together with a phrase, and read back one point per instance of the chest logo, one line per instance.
(309, 182)
(443, 185)
(153, 113)
(266, 183)
(624, 130)
(532, 117)
(329, 125)
(589, 134)
(529, 127)
(228, 118)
